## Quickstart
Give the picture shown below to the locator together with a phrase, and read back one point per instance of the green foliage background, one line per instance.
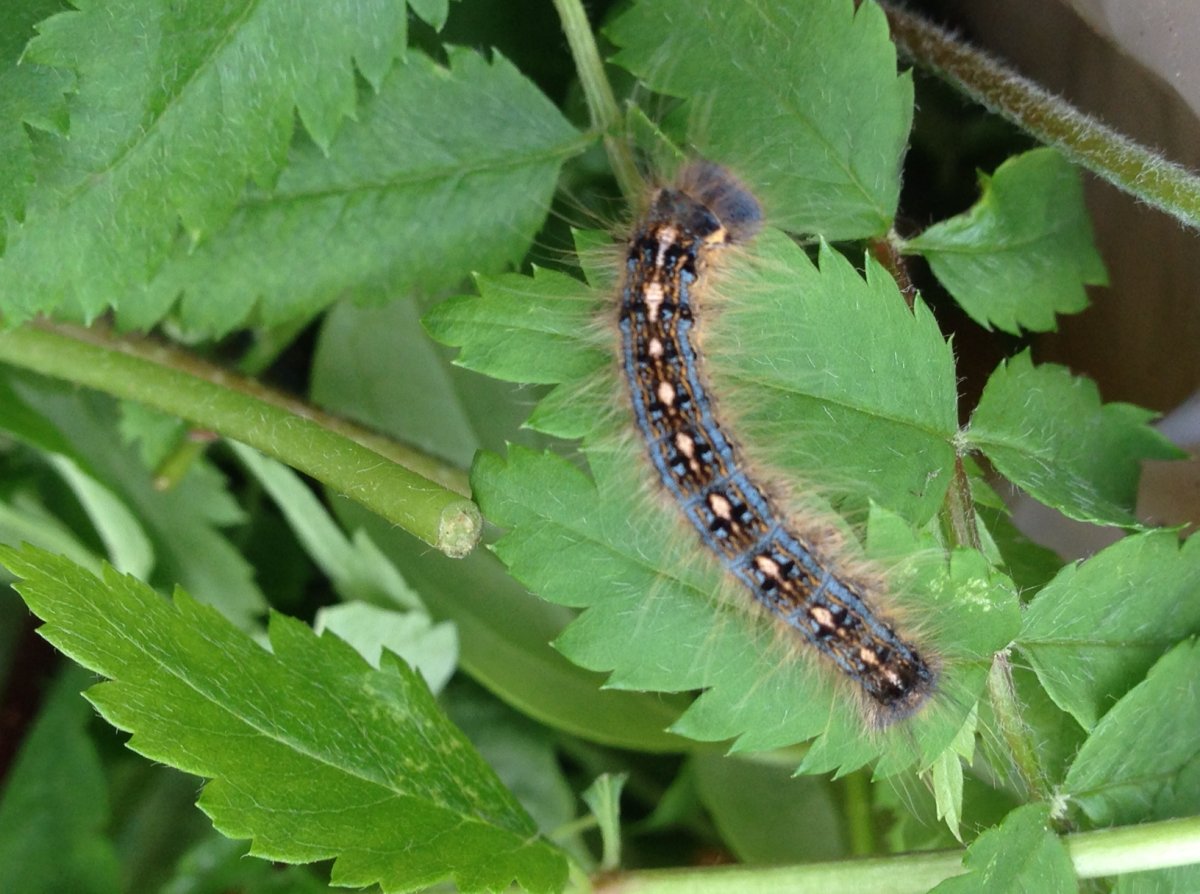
(307, 191)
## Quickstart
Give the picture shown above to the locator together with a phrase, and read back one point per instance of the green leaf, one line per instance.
(25, 519)
(427, 648)
(946, 777)
(603, 798)
(203, 99)
(375, 365)
(54, 804)
(1056, 734)
(833, 379)
(434, 12)
(217, 865)
(1019, 855)
(521, 751)
(1024, 252)
(1047, 432)
(128, 547)
(653, 622)
(446, 171)
(156, 434)
(1094, 631)
(521, 328)
(1029, 564)
(30, 95)
(1139, 763)
(754, 806)
(339, 760)
(812, 83)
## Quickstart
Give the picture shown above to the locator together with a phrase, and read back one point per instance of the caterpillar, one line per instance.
(697, 460)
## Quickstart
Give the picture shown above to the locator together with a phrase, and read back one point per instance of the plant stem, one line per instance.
(1013, 728)
(601, 102)
(176, 464)
(390, 479)
(959, 508)
(1135, 848)
(860, 824)
(1094, 854)
(266, 349)
(1126, 164)
(887, 252)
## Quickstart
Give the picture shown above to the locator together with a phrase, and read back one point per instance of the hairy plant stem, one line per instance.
(601, 102)
(886, 250)
(420, 494)
(1007, 708)
(1106, 852)
(1126, 164)
(959, 509)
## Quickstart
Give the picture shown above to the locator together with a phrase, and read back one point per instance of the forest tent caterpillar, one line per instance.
(669, 254)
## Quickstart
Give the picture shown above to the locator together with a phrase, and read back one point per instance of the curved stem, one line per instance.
(398, 483)
(601, 102)
(1126, 164)
(1094, 854)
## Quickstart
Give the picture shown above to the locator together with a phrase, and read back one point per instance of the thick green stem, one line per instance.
(387, 478)
(601, 102)
(266, 349)
(1127, 165)
(1094, 854)
(860, 823)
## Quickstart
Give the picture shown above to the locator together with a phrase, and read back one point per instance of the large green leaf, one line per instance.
(816, 352)
(1141, 761)
(1024, 252)
(446, 171)
(754, 804)
(652, 620)
(1047, 432)
(811, 83)
(1093, 632)
(312, 753)
(178, 106)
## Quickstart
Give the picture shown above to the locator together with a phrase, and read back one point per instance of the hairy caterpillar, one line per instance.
(698, 462)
